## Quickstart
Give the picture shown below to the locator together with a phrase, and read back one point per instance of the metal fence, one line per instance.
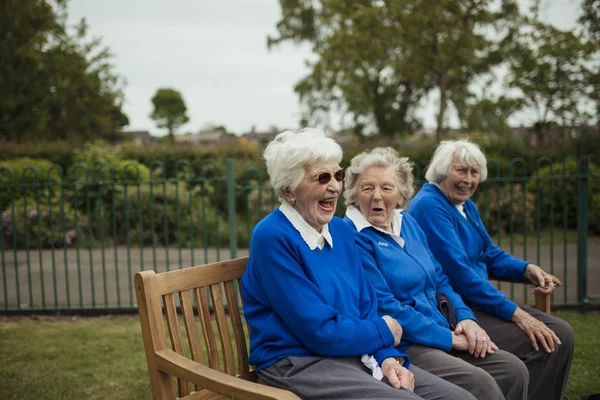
(74, 243)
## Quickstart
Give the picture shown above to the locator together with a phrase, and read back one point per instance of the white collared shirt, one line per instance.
(361, 223)
(309, 234)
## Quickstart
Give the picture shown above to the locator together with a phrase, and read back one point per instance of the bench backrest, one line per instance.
(212, 332)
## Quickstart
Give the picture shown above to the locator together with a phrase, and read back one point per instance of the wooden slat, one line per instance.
(176, 341)
(187, 309)
(203, 394)
(238, 329)
(209, 274)
(209, 336)
(217, 298)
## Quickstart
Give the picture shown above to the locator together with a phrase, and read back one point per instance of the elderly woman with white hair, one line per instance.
(314, 327)
(412, 288)
(459, 241)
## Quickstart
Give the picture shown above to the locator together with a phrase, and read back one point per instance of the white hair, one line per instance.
(290, 152)
(468, 153)
(380, 157)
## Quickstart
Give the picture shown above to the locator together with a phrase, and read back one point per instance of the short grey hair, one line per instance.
(468, 153)
(290, 152)
(380, 157)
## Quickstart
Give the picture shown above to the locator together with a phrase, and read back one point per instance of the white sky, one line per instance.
(214, 52)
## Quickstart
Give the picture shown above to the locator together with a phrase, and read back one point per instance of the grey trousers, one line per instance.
(347, 378)
(498, 376)
(548, 372)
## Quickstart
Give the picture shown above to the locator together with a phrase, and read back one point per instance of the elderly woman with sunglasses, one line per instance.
(314, 327)
(458, 239)
(410, 284)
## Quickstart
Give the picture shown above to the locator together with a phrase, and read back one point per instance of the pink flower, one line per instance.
(33, 213)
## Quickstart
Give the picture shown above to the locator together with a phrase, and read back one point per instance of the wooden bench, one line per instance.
(217, 368)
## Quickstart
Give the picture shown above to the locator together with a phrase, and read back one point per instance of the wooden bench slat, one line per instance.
(238, 330)
(210, 341)
(183, 387)
(223, 328)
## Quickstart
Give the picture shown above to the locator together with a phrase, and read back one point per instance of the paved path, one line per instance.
(112, 272)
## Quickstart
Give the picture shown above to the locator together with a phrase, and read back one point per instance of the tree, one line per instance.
(548, 67)
(377, 59)
(169, 110)
(55, 84)
(590, 17)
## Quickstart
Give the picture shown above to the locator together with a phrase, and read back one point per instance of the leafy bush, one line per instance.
(24, 179)
(164, 215)
(501, 209)
(46, 224)
(565, 183)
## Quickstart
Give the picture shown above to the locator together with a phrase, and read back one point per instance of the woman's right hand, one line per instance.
(461, 342)
(536, 330)
(394, 327)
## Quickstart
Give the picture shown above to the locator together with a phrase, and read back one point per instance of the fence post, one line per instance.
(231, 209)
(582, 230)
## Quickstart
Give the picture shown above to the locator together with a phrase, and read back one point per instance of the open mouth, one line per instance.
(463, 189)
(377, 210)
(327, 204)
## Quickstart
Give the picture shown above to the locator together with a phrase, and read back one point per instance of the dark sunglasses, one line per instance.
(325, 177)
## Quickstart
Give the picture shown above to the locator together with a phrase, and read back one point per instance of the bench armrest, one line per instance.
(542, 301)
(216, 381)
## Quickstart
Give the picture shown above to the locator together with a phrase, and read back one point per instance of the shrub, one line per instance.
(565, 192)
(27, 168)
(497, 212)
(47, 224)
(165, 215)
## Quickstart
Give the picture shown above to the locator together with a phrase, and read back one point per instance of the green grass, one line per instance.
(103, 358)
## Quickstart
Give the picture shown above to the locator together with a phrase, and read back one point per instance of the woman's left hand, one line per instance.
(543, 282)
(479, 342)
(398, 376)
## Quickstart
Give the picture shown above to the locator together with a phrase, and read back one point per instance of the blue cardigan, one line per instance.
(465, 251)
(302, 302)
(407, 281)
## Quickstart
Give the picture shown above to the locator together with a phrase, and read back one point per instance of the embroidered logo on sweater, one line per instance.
(384, 244)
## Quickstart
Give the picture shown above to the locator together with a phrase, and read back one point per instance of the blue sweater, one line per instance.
(302, 302)
(465, 251)
(406, 281)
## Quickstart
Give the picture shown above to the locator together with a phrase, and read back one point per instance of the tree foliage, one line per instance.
(376, 60)
(549, 68)
(590, 17)
(169, 109)
(56, 84)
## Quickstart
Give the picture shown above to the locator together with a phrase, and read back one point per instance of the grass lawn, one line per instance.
(103, 358)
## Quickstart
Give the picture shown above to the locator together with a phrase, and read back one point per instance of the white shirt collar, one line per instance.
(361, 223)
(309, 234)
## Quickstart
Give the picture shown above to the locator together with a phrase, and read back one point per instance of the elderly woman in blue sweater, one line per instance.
(314, 327)
(459, 241)
(410, 284)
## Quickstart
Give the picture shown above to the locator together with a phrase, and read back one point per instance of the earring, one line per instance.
(292, 200)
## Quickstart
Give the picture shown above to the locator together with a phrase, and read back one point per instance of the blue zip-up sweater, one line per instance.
(466, 251)
(302, 302)
(407, 281)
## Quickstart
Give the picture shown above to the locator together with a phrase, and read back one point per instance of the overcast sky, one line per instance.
(214, 52)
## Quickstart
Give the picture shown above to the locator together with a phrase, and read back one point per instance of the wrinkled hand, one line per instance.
(479, 343)
(536, 330)
(543, 282)
(397, 375)
(394, 327)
